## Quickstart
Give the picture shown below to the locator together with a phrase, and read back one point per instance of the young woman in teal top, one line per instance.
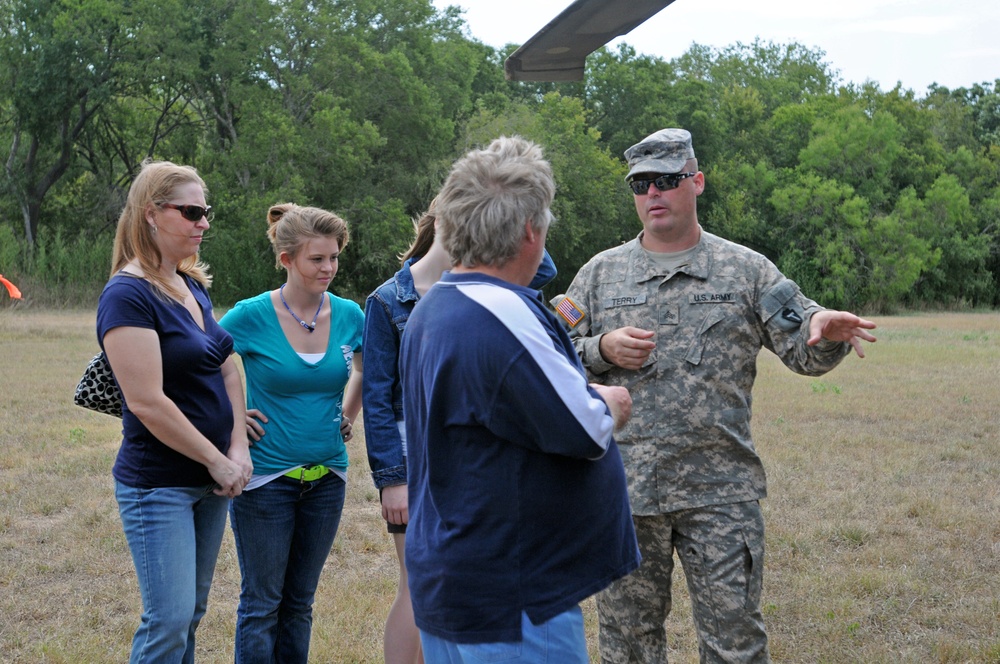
(301, 353)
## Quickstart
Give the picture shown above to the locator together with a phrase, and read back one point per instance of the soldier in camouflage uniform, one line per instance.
(678, 316)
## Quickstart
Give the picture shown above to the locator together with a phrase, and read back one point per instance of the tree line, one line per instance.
(871, 200)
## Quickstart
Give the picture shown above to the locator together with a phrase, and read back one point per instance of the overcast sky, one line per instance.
(954, 43)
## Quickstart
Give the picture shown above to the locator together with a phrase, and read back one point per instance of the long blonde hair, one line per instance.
(157, 181)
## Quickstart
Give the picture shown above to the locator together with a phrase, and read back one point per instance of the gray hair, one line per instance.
(489, 196)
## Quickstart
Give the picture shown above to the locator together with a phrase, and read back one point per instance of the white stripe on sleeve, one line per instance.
(566, 380)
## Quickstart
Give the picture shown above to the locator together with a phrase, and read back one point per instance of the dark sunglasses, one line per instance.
(662, 182)
(191, 212)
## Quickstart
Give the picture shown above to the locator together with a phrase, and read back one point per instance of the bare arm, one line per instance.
(352, 396)
(134, 354)
(239, 445)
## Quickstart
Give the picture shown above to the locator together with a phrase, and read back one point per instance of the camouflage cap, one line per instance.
(662, 152)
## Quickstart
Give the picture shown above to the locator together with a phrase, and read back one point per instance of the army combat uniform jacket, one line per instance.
(688, 442)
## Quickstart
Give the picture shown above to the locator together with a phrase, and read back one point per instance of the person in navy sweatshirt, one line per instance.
(517, 494)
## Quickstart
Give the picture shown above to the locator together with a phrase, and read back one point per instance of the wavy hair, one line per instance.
(488, 197)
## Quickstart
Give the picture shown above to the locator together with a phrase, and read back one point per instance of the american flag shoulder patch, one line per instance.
(569, 311)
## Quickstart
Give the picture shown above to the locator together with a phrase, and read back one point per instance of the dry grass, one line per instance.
(883, 521)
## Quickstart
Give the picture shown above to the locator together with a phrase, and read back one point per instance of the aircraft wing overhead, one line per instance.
(557, 52)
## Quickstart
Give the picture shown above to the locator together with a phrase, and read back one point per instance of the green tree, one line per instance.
(592, 208)
(736, 204)
(961, 276)
(780, 73)
(350, 106)
(787, 133)
(821, 222)
(360, 106)
(898, 253)
(60, 63)
(966, 116)
(859, 150)
(627, 96)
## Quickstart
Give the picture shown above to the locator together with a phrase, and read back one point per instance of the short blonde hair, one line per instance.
(289, 226)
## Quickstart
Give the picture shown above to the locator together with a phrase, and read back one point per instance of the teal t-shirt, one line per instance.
(302, 401)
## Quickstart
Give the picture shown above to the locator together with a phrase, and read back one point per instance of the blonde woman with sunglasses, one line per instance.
(184, 448)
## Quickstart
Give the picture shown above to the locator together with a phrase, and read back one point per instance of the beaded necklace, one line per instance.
(309, 328)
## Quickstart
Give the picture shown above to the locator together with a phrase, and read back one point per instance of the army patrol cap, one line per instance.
(663, 152)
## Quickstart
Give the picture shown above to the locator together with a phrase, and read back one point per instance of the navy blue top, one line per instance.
(517, 492)
(192, 379)
(386, 311)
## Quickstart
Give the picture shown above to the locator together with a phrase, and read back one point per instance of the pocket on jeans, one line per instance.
(492, 652)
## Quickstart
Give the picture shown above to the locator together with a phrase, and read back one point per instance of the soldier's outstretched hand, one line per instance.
(840, 326)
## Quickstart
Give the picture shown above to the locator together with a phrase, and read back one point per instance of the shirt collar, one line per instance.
(699, 267)
(450, 277)
(405, 290)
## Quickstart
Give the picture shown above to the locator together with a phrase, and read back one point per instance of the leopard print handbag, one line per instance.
(97, 389)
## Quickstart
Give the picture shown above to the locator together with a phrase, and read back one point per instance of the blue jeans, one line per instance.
(560, 640)
(284, 531)
(174, 535)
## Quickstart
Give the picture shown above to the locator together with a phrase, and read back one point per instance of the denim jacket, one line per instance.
(386, 311)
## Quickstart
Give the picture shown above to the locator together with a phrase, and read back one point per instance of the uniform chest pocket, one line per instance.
(713, 318)
(629, 309)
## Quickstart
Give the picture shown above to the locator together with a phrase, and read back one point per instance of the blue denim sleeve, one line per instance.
(381, 344)
(546, 272)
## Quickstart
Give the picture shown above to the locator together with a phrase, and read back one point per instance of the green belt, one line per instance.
(308, 473)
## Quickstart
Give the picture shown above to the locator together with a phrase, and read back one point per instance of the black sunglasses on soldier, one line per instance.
(663, 182)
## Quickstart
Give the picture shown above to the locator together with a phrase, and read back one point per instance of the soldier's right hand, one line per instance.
(619, 402)
(627, 347)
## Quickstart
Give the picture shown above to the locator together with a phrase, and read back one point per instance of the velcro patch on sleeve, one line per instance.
(570, 312)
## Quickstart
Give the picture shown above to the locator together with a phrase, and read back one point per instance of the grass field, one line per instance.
(883, 521)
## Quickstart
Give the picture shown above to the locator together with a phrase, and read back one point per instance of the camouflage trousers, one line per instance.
(721, 548)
